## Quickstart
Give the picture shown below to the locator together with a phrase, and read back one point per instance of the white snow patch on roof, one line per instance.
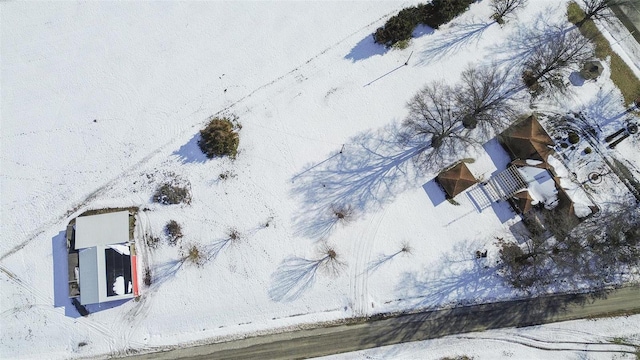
(576, 193)
(542, 188)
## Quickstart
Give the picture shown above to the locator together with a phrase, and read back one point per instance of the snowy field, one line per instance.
(606, 339)
(101, 102)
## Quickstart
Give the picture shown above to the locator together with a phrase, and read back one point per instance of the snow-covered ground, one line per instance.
(103, 101)
(610, 338)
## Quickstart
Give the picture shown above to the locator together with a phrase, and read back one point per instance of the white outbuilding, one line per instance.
(106, 268)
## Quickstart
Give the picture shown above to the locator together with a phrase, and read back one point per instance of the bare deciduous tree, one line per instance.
(524, 268)
(546, 64)
(433, 114)
(597, 250)
(192, 254)
(342, 213)
(597, 9)
(295, 275)
(328, 260)
(503, 8)
(483, 98)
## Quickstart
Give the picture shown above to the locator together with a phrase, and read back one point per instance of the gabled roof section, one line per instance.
(527, 140)
(456, 179)
(523, 201)
(102, 229)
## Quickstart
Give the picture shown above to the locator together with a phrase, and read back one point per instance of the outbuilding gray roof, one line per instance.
(102, 229)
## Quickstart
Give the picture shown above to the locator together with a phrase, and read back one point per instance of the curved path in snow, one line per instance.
(368, 333)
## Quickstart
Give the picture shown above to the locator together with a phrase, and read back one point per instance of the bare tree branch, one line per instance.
(595, 251)
(597, 9)
(483, 98)
(547, 63)
(503, 8)
(434, 115)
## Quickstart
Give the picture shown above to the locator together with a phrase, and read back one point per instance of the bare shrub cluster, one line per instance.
(193, 254)
(173, 230)
(173, 191)
(342, 213)
(152, 241)
(328, 260)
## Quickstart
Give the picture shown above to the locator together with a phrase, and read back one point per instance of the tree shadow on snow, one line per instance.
(461, 286)
(604, 109)
(190, 152)
(458, 279)
(367, 173)
(382, 259)
(162, 273)
(365, 49)
(293, 277)
(448, 43)
(527, 38)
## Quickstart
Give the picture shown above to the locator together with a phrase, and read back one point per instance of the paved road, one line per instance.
(629, 15)
(412, 327)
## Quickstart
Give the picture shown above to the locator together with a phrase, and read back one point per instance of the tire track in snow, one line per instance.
(302, 65)
(171, 143)
(557, 345)
(360, 273)
(45, 305)
(37, 294)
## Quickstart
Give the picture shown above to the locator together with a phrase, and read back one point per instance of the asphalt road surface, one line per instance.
(412, 327)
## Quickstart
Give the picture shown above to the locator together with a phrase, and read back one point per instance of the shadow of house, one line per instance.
(64, 278)
(101, 259)
(456, 179)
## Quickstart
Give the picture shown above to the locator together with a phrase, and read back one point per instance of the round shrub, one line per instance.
(443, 11)
(397, 28)
(174, 232)
(587, 150)
(574, 138)
(400, 27)
(219, 138)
